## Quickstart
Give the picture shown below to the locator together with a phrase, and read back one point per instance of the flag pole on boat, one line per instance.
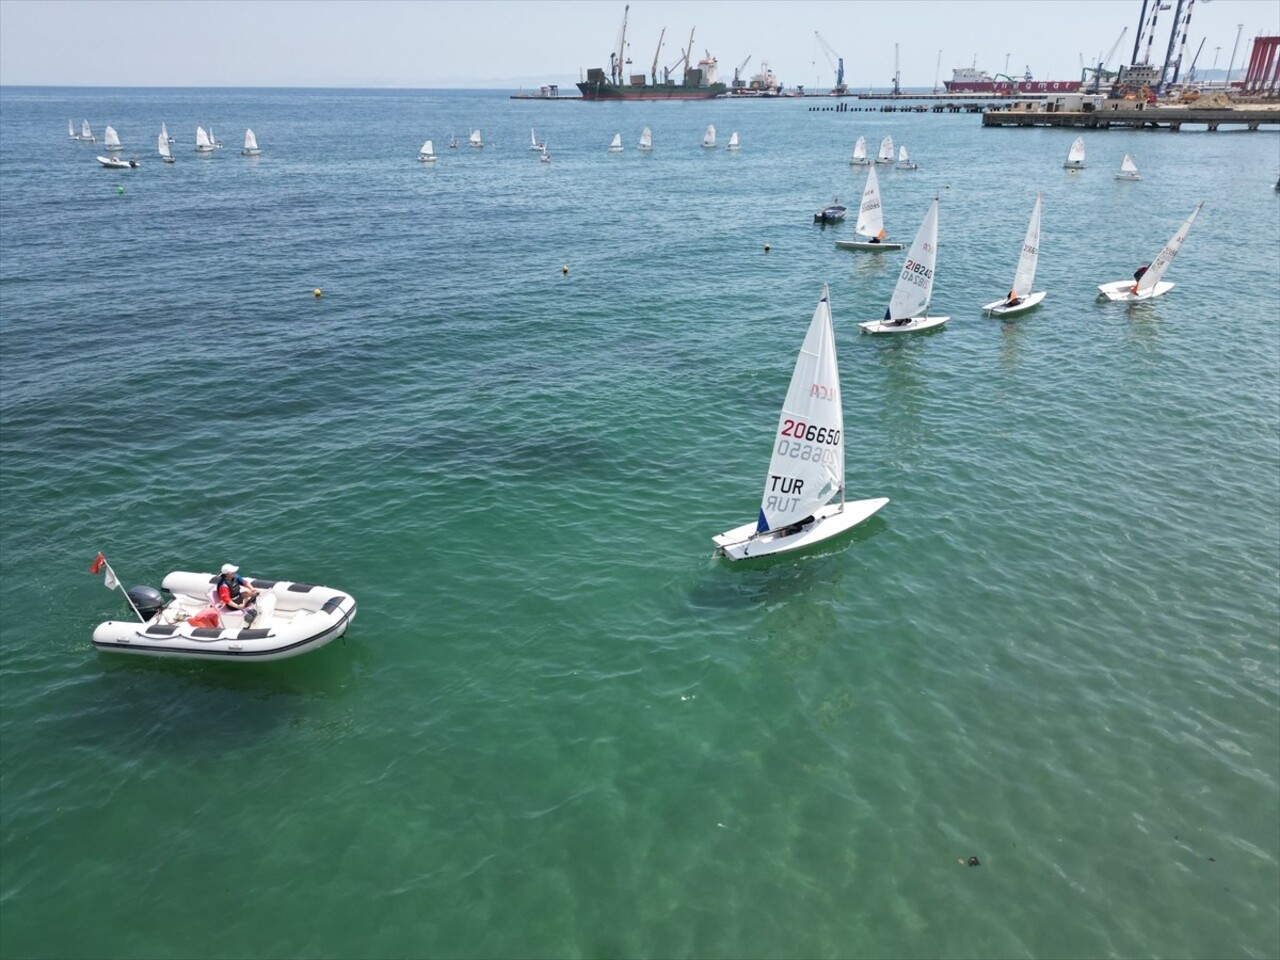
(112, 582)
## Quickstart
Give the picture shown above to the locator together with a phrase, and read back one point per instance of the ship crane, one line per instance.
(653, 70)
(837, 64)
(738, 70)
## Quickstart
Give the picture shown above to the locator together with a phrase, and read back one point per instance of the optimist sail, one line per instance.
(870, 216)
(1075, 156)
(886, 151)
(709, 138)
(646, 139)
(859, 151)
(807, 466)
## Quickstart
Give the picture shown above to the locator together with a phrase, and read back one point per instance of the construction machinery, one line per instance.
(837, 64)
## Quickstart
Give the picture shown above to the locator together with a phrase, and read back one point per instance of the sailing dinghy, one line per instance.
(870, 220)
(71, 130)
(646, 139)
(86, 133)
(733, 141)
(904, 160)
(428, 152)
(533, 141)
(475, 140)
(162, 145)
(1128, 169)
(1021, 298)
(203, 143)
(806, 470)
(1075, 156)
(546, 157)
(110, 139)
(709, 138)
(859, 156)
(615, 145)
(908, 310)
(1148, 284)
(886, 151)
(250, 145)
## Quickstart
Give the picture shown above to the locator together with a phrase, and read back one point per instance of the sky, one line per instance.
(512, 43)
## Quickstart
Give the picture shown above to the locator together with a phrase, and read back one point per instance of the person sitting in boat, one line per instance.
(1013, 300)
(1137, 275)
(875, 239)
(234, 592)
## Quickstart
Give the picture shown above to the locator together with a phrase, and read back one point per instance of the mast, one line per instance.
(653, 71)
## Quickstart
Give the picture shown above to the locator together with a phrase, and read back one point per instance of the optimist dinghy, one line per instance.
(859, 156)
(1021, 298)
(1075, 156)
(870, 220)
(1148, 284)
(806, 469)
(1128, 169)
(293, 618)
(908, 310)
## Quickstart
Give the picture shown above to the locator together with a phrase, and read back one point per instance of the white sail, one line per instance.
(250, 144)
(85, 132)
(1075, 156)
(1128, 169)
(646, 139)
(870, 215)
(709, 138)
(533, 140)
(902, 154)
(733, 141)
(164, 132)
(807, 466)
(546, 157)
(1025, 276)
(859, 151)
(71, 130)
(1165, 257)
(428, 151)
(475, 140)
(915, 284)
(162, 145)
(203, 144)
(110, 139)
(886, 151)
(615, 145)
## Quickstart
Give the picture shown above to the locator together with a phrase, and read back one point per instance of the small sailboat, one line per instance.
(546, 157)
(162, 146)
(908, 309)
(1147, 282)
(428, 152)
(1021, 298)
(904, 160)
(1075, 156)
(71, 130)
(859, 156)
(733, 141)
(646, 139)
(533, 141)
(1128, 169)
(886, 151)
(203, 143)
(110, 139)
(86, 133)
(217, 144)
(475, 140)
(806, 470)
(453, 143)
(615, 145)
(870, 223)
(250, 145)
(709, 138)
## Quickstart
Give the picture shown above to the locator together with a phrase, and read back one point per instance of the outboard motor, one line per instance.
(147, 600)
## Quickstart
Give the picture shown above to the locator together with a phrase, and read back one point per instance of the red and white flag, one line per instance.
(109, 578)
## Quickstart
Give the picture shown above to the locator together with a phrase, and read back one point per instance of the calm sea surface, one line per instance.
(559, 727)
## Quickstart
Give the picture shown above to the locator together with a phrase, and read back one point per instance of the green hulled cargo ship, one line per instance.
(698, 82)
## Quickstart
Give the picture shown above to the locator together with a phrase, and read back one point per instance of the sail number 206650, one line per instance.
(799, 430)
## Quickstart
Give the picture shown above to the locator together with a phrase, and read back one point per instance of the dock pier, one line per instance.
(1128, 114)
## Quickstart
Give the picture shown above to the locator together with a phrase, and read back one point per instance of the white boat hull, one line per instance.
(914, 325)
(1073, 165)
(999, 308)
(296, 618)
(743, 542)
(1123, 290)
(425, 159)
(1127, 176)
(868, 245)
(115, 163)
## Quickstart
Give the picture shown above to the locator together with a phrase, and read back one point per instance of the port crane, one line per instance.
(837, 64)
(737, 72)
(1101, 70)
(653, 71)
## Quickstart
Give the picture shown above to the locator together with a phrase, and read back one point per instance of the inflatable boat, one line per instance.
(291, 619)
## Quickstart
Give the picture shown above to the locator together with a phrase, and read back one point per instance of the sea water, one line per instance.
(526, 398)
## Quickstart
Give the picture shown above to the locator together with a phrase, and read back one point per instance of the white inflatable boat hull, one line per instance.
(294, 618)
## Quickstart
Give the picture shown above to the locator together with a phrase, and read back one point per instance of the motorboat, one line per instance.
(833, 213)
(117, 163)
(182, 620)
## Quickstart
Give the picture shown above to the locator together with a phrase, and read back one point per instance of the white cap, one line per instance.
(229, 568)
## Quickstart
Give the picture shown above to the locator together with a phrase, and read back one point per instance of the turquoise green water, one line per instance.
(558, 726)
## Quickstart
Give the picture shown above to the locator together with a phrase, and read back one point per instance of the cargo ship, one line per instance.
(971, 80)
(700, 82)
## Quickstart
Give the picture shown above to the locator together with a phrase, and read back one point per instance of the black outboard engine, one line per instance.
(147, 600)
